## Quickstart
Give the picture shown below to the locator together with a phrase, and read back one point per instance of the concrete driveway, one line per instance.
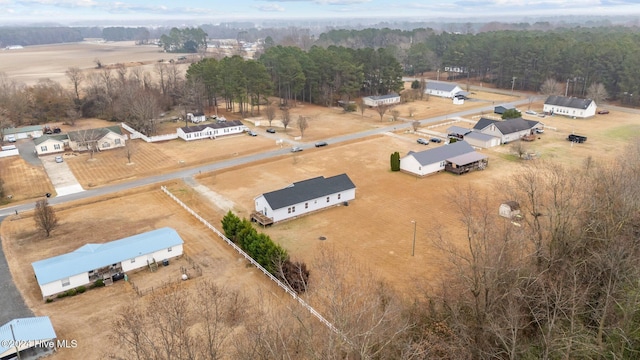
(60, 175)
(27, 151)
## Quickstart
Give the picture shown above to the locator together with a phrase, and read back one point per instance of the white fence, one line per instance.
(138, 135)
(253, 262)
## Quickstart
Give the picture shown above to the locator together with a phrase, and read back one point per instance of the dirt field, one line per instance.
(376, 228)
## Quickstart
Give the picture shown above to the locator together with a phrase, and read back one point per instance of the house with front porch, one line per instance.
(303, 197)
(211, 131)
(97, 139)
(51, 144)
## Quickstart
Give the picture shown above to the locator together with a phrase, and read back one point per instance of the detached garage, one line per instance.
(102, 261)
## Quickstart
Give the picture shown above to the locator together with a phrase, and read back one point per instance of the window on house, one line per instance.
(339, 196)
(56, 146)
(169, 249)
(117, 141)
(106, 145)
(306, 205)
(43, 148)
(293, 209)
(133, 260)
(65, 282)
(289, 210)
(327, 199)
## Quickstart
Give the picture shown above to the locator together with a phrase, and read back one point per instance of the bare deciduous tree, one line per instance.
(361, 106)
(382, 109)
(395, 114)
(286, 118)
(303, 124)
(76, 76)
(415, 125)
(129, 149)
(412, 110)
(45, 217)
(597, 92)
(270, 112)
(550, 87)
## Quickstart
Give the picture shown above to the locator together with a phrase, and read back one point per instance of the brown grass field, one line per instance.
(375, 229)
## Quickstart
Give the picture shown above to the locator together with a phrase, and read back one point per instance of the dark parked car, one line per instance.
(577, 138)
(321, 143)
(436, 140)
(422, 141)
(272, 131)
(117, 276)
(603, 112)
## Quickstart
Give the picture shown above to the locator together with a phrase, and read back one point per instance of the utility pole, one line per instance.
(413, 251)
(513, 83)
(566, 89)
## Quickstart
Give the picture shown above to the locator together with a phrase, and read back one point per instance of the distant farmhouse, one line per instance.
(92, 262)
(501, 109)
(375, 101)
(196, 117)
(210, 131)
(570, 106)
(507, 130)
(458, 158)
(303, 197)
(444, 89)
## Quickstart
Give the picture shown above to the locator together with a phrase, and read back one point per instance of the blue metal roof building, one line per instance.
(28, 332)
(94, 256)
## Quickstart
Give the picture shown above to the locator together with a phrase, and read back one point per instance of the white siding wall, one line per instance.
(49, 147)
(579, 113)
(55, 287)
(208, 133)
(411, 165)
(141, 260)
(263, 206)
(306, 206)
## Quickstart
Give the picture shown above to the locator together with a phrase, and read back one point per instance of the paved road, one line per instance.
(11, 303)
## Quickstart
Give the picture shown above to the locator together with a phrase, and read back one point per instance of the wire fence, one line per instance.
(192, 271)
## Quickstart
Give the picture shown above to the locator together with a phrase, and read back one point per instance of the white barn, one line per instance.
(570, 106)
(49, 144)
(507, 130)
(443, 89)
(455, 155)
(305, 196)
(197, 117)
(101, 261)
(375, 101)
(210, 131)
(33, 337)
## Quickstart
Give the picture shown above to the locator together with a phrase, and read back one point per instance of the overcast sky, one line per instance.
(215, 11)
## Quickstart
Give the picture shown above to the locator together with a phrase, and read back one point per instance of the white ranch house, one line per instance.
(570, 106)
(442, 89)
(507, 130)
(211, 131)
(50, 144)
(457, 157)
(103, 139)
(101, 261)
(303, 197)
(34, 337)
(375, 101)
(197, 117)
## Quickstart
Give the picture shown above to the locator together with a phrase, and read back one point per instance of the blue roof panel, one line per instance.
(26, 329)
(94, 256)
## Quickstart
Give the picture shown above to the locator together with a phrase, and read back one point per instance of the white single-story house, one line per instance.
(507, 130)
(101, 261)
(457, 157)
(443, 89)
(478, 139)
(102, 138)
(305, 196)
(375, 101)
(210, 131)
(570, 106)
(49, 144)
(23, 132)
(33, 337)
(197, 117)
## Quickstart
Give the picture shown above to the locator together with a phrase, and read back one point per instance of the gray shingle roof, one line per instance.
(479, 136)
(442, 153)
(508, 126)
(441, 86)
(307, 190)
(381, 97)
(43, 138)
(569, 102)
(217, 125)
(93, 134)
(458, 130)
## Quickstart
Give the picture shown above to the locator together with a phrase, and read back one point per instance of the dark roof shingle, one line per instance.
(307, 190)
(569, 102)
